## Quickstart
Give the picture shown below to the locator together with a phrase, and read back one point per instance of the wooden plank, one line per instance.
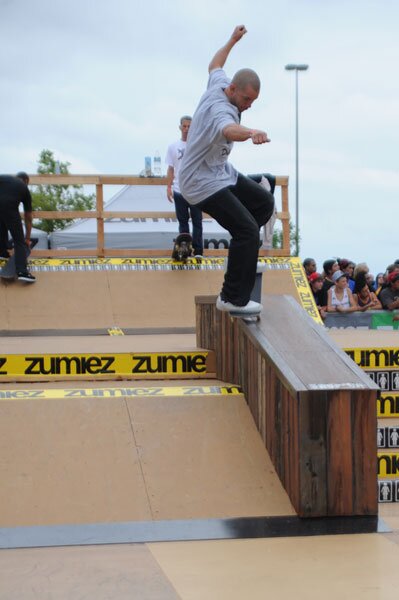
(313, 454)
(47, 179)
(100, 220)
(65, 214)
(340, 454)
(301, 342)
(364, 426)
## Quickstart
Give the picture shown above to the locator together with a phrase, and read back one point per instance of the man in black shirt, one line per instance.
(13, 191)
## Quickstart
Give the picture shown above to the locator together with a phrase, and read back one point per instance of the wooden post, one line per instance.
(100, 220)
(286, 221)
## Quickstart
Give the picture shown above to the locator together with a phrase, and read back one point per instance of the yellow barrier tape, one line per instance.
(125, 364)
(79, 262)
(122, 392)
(369, 358)
(306, 297)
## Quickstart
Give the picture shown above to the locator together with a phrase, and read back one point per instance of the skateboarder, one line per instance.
(13, 191)
(183, 209)
(209, 182)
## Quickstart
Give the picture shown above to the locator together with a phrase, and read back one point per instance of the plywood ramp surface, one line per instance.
(362, 338)
(137, 459)
(280, 282)
(93, 344)
(104, 299)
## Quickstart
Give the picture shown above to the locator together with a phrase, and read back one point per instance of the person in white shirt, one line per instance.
(183, 209)
(207, 180)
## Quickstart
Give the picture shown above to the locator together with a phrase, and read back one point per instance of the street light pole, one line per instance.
(296, 68)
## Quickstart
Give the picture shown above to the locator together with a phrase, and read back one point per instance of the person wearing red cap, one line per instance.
(316, 284)
(389, 296)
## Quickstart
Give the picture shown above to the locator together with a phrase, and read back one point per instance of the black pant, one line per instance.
(3, 239)
(183, 213)
(10, 217)
(242, 209)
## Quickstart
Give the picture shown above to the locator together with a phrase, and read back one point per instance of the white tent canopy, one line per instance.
(41, 235)
(138, 232)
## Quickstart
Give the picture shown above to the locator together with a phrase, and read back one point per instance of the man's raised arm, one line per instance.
(221, 55)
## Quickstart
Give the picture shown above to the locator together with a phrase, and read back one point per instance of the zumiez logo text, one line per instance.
(169, 363)
(69, 365)
(374, 357)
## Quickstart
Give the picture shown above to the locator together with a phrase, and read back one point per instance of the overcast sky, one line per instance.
(103, 84)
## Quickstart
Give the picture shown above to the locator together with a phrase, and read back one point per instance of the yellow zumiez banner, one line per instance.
(305, 294)
(374, 358)
(388, 405)
(120, 392)
(140, 365)
(103, 263)
(388, 465)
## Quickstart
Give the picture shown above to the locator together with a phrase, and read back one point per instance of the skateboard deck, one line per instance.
(183, 247)
(9, 270)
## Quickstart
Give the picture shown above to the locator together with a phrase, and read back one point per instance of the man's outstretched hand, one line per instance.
(238, 33)
(259, 137)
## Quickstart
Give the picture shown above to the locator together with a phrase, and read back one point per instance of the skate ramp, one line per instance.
(133, 294)
(142, 458)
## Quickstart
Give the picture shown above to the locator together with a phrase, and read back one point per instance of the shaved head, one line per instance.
(245, 77)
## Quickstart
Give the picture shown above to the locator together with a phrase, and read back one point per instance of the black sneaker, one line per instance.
(25, 276)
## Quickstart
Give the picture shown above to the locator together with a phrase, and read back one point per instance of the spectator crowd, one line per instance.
(344, 286)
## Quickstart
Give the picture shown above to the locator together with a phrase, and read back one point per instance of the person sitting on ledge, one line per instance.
(340, 298)
(389, 296)
(363, 296)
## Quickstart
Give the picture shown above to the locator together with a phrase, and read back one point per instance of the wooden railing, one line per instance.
(313, 406)
(101, 215)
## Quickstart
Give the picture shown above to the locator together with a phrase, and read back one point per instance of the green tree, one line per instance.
(57, 197)
(278, 239)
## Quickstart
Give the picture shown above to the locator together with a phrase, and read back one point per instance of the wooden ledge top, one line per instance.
(301, 350)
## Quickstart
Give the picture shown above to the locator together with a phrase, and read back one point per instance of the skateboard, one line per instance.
(9, 270)
(183, 248)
